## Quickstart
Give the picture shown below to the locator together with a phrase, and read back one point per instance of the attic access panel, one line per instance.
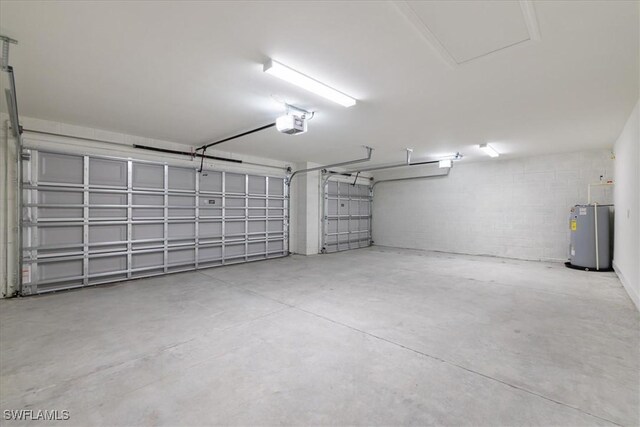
(346, 222)
(90, 220)
(461, 31)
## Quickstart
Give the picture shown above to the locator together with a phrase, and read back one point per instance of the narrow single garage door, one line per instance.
(347, 216)
(90, 220)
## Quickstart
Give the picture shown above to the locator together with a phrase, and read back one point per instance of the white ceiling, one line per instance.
(191, 72)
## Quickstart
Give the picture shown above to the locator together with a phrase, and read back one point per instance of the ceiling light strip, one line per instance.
(305, 82)
(489, 150)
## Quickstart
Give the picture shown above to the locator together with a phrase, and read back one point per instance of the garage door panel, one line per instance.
(276, 187)
(207, 201)
(182, 201)
(107, 233)
(147, 231)
(233, 202)
(70, 213)
(107, 199)
(211, 182)
(148, 176)
(53, 270)
(147, 213)
(234, 183)
(257, 248)
(182, 231)
(235, 250)
(234, 228)
(104, 172)
(275, 226)
(49, 235)
(109, 213)
(364, 209)
(346, 219)
(210, 253)
(257, 184)
(276, 246)
(147, 199)
(182, 256)
(206, 213)
(60, 197)
(153, 259)
(257, 226)
(181, 213)
(60, 168)
(343, 207)
(257, 213)
(332, 207)
(181, 178)
(142, 218)
(210, 229)
(107, 264)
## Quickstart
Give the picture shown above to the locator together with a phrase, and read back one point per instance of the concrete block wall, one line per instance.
(305, 211)
(516, 208)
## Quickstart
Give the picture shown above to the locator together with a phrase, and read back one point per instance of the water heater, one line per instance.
(590, 248)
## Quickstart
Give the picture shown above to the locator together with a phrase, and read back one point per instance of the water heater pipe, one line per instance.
(595, 210)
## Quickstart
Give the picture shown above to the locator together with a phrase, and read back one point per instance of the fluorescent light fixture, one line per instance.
(447, 163)
(294, 77)
(489, 150)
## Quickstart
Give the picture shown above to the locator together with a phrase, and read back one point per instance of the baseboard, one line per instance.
(627, 286)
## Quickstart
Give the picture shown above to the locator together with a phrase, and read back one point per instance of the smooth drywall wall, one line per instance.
(516, 208)
(626, 260)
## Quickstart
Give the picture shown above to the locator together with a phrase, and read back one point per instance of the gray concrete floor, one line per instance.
(374, 336)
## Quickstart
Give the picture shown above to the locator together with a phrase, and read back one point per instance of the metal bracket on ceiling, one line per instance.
(6, 41)
(409, 152)
(297, 111)
(12, 99)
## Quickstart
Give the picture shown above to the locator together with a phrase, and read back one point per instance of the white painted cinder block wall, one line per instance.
(626, 260)
(516, 208)
(305, 211)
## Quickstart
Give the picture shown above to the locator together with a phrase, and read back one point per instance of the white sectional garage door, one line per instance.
(90, 220)
(347, 216)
